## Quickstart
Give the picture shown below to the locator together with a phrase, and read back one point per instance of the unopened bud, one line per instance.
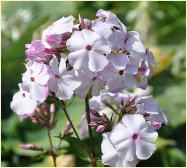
(30, 147)
(44, 110)
(52, 108)
(67, 127)
(156, 124)
(100, 128)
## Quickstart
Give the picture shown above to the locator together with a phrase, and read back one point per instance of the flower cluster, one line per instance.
(134, 121)
(89, 57)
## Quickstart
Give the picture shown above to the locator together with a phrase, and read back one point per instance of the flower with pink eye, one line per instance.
(62, 82)
(132, 139)
(36, 77)
(22, 103)
(87, 49)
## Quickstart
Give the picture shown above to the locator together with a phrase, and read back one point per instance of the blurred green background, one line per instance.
(162, 28)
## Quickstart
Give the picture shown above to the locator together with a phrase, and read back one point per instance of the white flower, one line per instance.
(22, 103)
(111, 156)
(132, 138)
(87, 50)
(89, 80)
(62, 82)
(36, 77)
(52, 36)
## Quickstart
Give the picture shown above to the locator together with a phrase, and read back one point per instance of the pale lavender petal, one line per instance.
(97, 62)
(76, 42)
(144, 149)
(133, 122)
(148, 133)
(127, 149)
(38, 92)
(101, 47)
(83, 89)
(96, 87)
(78, 59)
(53, 84)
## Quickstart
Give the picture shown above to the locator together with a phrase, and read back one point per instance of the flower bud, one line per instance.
(67, 127)
(30, 147)
(156, 124)
(100, 128)
(52, 108)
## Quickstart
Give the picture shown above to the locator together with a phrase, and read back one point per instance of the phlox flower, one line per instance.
(90, 80)
(22, 103)
(111, 28)
(133, 138)
(53, 35)
(36, 77)
(62, 82)
(117, 75)
(87, 49)
(35, 51)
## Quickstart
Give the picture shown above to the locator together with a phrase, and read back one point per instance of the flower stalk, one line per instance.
(90, 130)
(53, 151)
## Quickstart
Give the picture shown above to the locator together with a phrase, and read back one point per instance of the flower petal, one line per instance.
(144, 149)
(133, 122)
(127, 149)
(78, 59)
(97, 62)
(109, 158)
(148, 133)
(76, 42)
(119, 134)
(38, 92)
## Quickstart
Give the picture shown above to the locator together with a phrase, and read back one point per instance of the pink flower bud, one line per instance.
(156, 124)
(67, 127)
(27, 146)
(100, 128)
(52, 108)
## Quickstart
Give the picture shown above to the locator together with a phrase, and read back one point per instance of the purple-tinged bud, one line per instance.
(52, 108)
(30, 147)
(44, 109)
(67, 128)
(132, 99)
(52, 115)
(156, 124)
(100, 128)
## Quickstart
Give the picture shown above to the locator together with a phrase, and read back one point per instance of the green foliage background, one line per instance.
(162, 27)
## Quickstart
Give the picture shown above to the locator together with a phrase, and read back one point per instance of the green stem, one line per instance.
(52, 149)
(66, 113)
(90, 130)
(63, 106)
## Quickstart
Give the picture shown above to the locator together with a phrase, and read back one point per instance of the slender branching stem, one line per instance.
(90, 130)
(63, 106)
(66, 113)
(53, 153)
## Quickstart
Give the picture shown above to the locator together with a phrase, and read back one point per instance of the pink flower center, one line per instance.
(135, 136)
(146, 115)
(121, 72)
(88, 47)
(57, 76)
(112, 29)
(23, 94)
(94, 78)
(32, 79)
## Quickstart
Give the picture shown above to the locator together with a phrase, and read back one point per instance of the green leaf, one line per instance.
(77, 147)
